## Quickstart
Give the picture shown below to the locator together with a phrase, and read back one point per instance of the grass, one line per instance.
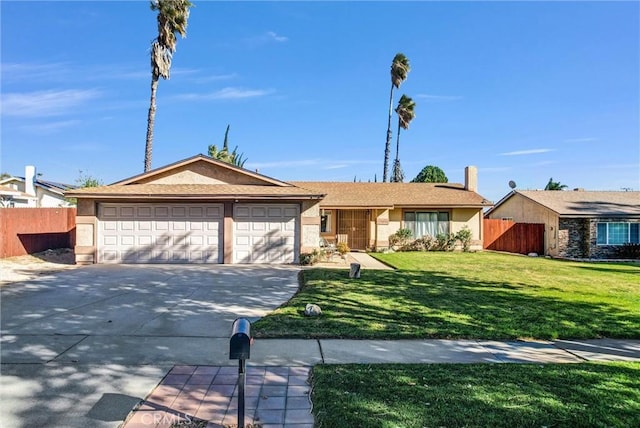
(465, 295)
(477, 395)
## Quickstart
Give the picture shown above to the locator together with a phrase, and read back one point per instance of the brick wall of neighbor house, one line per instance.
(603, 251)
(309, 226)
(573, 238)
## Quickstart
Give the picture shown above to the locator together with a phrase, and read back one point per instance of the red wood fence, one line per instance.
(512, 237)
(31, 230)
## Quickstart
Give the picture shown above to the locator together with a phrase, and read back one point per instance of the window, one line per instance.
(325, 222)
(426, 223)
(617, 233)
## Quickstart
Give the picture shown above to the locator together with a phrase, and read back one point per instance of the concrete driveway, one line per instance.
(80, 347)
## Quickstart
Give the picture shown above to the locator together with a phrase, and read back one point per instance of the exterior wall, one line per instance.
(523, 210)
(471, 218)
(309, 226)
(50, 200)
(86, 232)
(202, 173)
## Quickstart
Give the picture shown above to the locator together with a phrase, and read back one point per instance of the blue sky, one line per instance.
(524, 91)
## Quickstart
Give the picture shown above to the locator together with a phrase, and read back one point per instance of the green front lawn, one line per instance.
(465, 295)
(477, 395)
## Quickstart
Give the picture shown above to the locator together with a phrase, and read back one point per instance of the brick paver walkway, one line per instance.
(274, 397)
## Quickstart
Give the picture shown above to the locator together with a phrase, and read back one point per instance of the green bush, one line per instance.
(400, 238)
(464, 236)
(628, 251)
(445, 242)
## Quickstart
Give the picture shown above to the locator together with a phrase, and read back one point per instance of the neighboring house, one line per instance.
(579, 223)
(200, 210)
(31, 192)
(10, 197)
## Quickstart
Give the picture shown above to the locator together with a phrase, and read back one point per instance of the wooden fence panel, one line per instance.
(31, 230)
(512, 237)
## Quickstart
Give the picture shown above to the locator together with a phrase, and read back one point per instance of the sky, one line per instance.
(525, 91)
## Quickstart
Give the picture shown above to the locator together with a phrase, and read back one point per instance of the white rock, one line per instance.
(312, 310)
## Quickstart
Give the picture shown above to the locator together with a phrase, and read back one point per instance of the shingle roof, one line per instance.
(389, 195)
(586, 203)
(194, 191)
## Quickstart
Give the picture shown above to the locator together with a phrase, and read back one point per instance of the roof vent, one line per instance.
(579, 189)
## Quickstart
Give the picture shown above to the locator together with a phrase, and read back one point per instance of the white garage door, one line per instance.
(160, 233)
(265, 233)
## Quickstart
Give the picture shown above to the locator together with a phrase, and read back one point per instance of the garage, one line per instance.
(159, 233)
(265, 233)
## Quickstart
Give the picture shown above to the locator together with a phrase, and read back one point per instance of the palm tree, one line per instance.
(406, 113)
(172, 20)
(399, 70)
(554, 185)
(234, 158)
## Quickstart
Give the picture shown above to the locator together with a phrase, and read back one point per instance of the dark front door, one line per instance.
(352, 225)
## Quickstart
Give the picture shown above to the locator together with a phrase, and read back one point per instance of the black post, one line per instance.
(241, 384)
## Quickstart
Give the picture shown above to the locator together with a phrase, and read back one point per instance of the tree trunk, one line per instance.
(150, 122)
(387, 147)
(398, 142)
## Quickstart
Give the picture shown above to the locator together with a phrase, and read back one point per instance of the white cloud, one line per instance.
(50, 127)
(580, 140)
(229, 93)
(526, 152)
(46, 103)
(437, 98)
(276, 38)
(265, 38)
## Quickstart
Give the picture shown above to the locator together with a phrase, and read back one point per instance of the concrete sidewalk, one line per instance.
(278, 392)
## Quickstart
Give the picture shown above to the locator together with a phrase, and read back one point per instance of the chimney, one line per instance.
(29, 179)
(471, 178)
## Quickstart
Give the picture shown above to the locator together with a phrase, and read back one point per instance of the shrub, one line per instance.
(426, 243)
(628, 251)
(445, 242)
(343, 248)
(309, 259)
(400, 238)
(464, 236)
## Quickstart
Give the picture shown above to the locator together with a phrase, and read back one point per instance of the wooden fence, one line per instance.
(31, 230)
(512, 237)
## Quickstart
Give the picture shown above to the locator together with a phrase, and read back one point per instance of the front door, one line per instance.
(352, 224)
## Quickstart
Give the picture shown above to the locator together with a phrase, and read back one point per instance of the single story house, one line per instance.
(31, 192)
(200, 210)
(578, 223)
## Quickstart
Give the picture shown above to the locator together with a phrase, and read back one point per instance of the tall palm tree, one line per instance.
(406, 113)
(172, 20)
(399, 70)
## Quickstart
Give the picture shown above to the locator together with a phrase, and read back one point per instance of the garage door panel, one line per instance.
(153, 233)
(265, 233)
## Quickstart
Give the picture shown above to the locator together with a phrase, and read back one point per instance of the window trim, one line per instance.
(419, 211)
(329, 219)
(606, 237)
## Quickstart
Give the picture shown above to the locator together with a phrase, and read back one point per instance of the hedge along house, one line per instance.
(579, 223)
(365, 214)
(201, 210)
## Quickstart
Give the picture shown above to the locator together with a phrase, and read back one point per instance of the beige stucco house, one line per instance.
(578, 223)
(200, 210)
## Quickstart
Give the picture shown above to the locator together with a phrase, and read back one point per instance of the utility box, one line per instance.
(240, 341)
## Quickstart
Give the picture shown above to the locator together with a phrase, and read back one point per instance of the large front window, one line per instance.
(617, 233)
(424, 223)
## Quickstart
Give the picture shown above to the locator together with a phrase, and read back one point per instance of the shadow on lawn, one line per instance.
(419, 304)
